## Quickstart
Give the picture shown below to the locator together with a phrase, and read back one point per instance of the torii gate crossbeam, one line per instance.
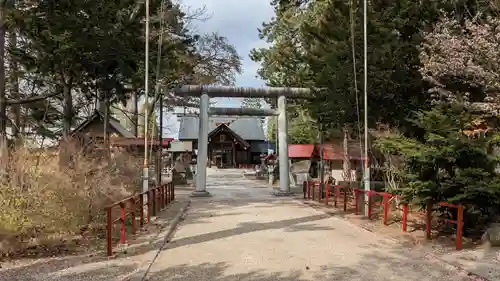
(206, 92)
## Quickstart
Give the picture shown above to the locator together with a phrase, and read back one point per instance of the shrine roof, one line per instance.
(248, 128)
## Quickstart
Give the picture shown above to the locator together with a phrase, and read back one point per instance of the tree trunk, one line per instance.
(65, 144)
(346, 163)
(68, 110)
(106, 127)
(159, 161)
(135, 114)
(3, 99)
(14, 87)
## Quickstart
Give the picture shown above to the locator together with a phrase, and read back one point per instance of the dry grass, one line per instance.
(46, 205)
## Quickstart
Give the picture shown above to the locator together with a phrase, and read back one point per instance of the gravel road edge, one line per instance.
(143, 269)
(426, 252)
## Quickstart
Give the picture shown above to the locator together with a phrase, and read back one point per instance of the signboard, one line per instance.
(181, 146)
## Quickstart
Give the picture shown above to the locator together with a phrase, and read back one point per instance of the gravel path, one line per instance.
(96, 266)
(243, 233)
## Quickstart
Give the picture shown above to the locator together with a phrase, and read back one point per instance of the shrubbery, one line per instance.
(444, 163)
(43, 202)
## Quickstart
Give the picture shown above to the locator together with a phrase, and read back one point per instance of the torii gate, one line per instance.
(207, 92)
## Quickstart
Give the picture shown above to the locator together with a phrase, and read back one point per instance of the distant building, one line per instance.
(232, 141)
(90, 133)
(333, 155)
(93, 127)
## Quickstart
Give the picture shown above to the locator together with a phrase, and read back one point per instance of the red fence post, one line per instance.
(163, 195)
(167, 186)
(370, 204)
(141, 212)
(156, 198)
(168, 194)
(428, 220)
(345, 200)
(133, 209)
(154, 201)
(356, 195)
(165, 190)
(320, 194)
(149, 205)
(109, 231)
(172, 185)
(336, 194)
(460, 222)
(304, 188)
(327, 193)
(122, 220)
(386, 208)
(309, 190)
(312, 190)
(404, 219)
(172, 192)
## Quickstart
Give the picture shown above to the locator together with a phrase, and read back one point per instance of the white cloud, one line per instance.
(238, 21)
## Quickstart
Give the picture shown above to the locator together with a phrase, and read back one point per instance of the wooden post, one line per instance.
(233, 153)
(460, 223)
(404, 220)
(428, 220)
(109, 232)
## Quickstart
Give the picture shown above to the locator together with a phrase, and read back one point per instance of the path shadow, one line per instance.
(215, 205)
(147, 242)
(291, 225)
(93, 272)
(375, 265)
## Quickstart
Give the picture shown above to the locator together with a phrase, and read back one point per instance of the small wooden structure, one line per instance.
(90, 134)
(333, 155)
(178, 148)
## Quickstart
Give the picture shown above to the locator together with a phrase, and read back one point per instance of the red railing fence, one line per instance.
(341, 193)
(384, 204)
(132, 207)
(459, 222)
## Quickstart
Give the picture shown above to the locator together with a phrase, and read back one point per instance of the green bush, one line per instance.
(444, 164)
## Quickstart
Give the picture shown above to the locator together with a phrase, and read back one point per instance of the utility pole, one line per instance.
(158, 89)
(160, 141)
(366, 162)
(145, 170)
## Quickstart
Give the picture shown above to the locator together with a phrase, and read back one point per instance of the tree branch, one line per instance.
(32, 99)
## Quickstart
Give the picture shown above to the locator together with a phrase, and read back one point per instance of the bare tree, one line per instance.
(217, 62)
(3, 99)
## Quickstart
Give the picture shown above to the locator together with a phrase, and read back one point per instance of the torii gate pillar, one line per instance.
(205, 92)
(284, 164)
(202, 158)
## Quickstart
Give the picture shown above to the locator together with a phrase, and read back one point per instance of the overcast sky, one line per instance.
(238, 21)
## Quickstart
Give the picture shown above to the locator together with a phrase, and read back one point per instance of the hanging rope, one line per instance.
(353, 48)
(158, 68)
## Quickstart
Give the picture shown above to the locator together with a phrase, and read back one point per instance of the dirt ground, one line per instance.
(476, 258)
(243, 232)
(88, 261)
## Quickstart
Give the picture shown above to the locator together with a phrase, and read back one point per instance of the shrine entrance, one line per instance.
(222, 153)
(222, 157)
